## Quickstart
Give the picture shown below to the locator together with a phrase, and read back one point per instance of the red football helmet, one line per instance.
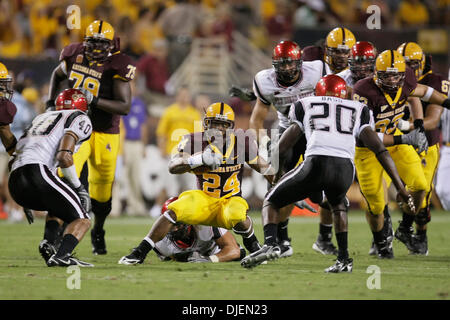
(331, 85)
(71, 99)
(362, 60)
(182, 235)
(168, 201)
(287, 61)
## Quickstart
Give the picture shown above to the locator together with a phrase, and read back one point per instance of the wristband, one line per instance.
(446, 103)
(418, 124)
(398, 140)
(195, 161)
(214, 258)
(71, 175)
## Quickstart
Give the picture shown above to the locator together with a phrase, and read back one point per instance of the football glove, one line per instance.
(198, 258)
(211, 159)
(304, 205)
(29, 215)
(417, 139)
(91, 99)
(50, 105)
(84, 198)
(241, 93)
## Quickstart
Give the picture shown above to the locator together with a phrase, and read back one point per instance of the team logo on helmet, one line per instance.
(71, 99)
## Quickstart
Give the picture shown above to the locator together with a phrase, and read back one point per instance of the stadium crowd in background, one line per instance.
(154, 36)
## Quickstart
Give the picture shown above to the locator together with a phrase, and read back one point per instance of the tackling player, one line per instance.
(415, 59)
(386, 94)
(102, 72)
(49, 143)
(197, 243)
(331, 123)
(217, 157)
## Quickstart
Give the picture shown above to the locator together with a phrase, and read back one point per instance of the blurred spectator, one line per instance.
(133, 149)
(279, 26)
(245, 17)
(153, 74)
(412, 13)
(344, 10)
(180, 24)
(306, 14)
(223, 24)
(146, 32)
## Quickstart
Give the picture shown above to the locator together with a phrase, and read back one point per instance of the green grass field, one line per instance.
(23, 274)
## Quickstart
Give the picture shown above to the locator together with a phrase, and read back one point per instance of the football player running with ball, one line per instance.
(331, 123)
(217, 157)
(102, 72)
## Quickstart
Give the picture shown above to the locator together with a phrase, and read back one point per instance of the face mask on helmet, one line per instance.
(390, 81)
(182, 235)
(339, 58)
(416, 66)
(97, 49)
(287, 70)
(361, 68)
(6, 89)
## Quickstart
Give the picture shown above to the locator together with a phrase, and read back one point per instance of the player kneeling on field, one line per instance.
(188, 243)
(331, 124)
(217, 157)
(49, 143)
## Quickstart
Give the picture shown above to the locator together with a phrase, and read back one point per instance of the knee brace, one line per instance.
(101, 208)
(423, 217)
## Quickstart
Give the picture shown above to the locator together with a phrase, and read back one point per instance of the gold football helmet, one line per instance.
(414, 57)
(98, 40)
(219, 114)
(6, 85)
(338, 43)
(390, 69)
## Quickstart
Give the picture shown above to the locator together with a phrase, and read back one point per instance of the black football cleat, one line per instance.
(98, 242)
(419, 245)
(46, 250)
(404, 235)
(266, 253)
(66, 261)
(385, 250)
(341, 266)
(135, 257)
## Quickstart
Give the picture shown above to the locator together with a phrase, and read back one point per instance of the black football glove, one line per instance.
(29, 215)
(242, 93)
(84, 198)
(198, 258)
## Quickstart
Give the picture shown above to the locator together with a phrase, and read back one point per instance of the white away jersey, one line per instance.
(204, 243)
(269, 91)
(331, 124)
(347, 76)
(41, 139)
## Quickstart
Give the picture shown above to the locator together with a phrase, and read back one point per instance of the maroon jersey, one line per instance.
(437, 82)
(97, 78)
(227, 179)
(7, 112)
(387, 109)
(311, 53)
